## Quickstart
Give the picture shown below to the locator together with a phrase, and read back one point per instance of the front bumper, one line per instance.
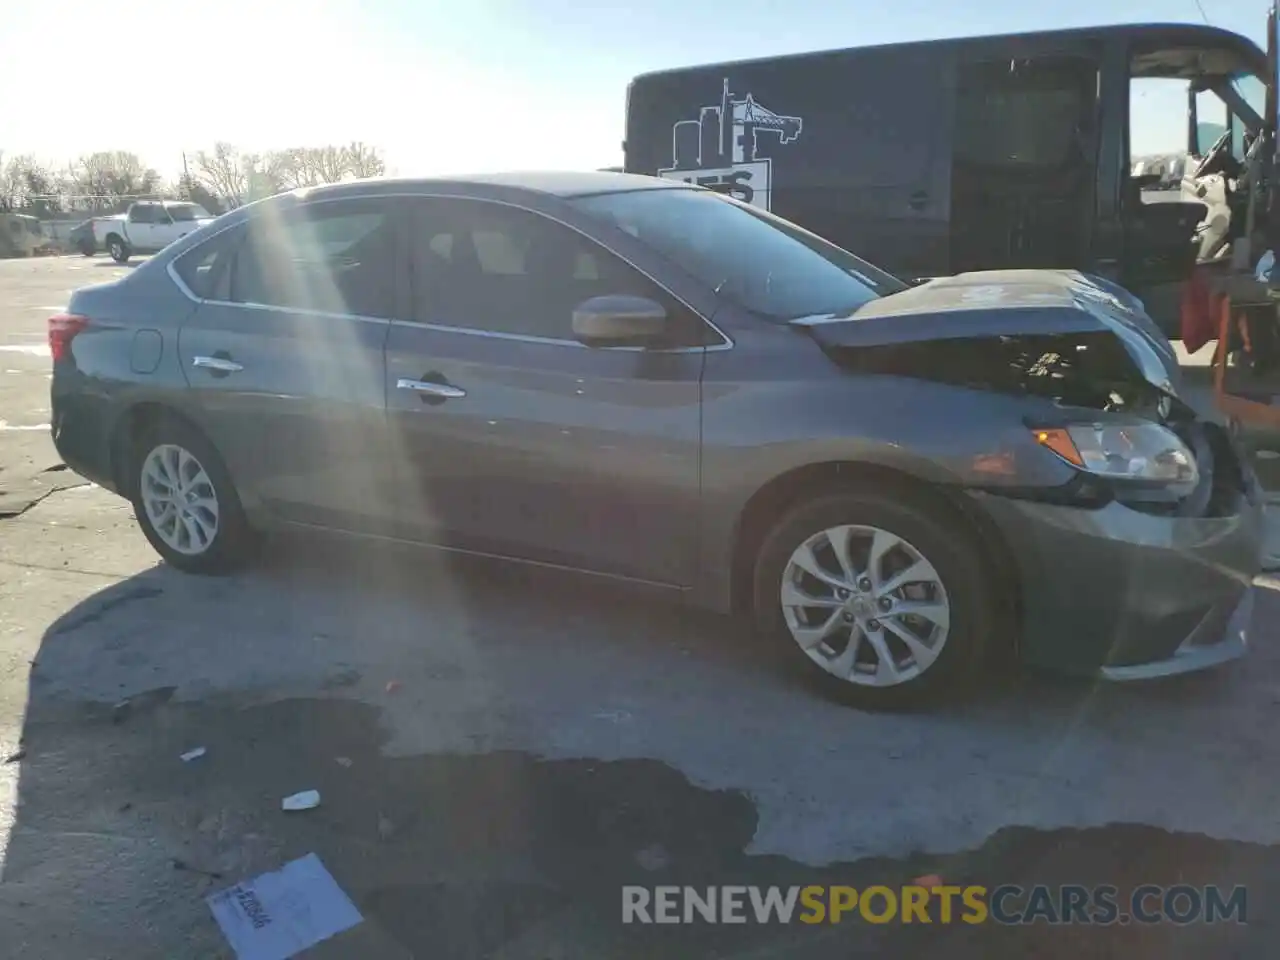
(1128, 595)
(1206, 646)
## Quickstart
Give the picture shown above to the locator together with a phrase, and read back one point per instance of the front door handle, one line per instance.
(217, 364)
(431, 389)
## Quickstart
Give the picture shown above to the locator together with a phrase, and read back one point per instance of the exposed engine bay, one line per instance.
(1091, 370)
(1064, 337)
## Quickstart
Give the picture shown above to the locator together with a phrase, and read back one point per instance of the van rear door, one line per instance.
(854, 145)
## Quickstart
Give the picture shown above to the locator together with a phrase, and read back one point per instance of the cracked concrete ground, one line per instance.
(499, 752)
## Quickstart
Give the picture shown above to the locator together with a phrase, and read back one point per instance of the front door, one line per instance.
(288, 359)
(141, 225)
(513, 438)
(164, 231)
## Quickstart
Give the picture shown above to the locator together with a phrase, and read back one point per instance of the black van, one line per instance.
(938, 157)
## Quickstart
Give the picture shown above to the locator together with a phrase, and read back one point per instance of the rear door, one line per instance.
(515, 439)
(286, 359)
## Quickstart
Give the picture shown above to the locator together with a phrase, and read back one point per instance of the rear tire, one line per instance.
(118, 249)
(874, 643)
(185, 501)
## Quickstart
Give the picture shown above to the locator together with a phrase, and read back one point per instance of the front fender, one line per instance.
(803, 411)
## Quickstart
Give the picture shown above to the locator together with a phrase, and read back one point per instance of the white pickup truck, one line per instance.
(148, 226)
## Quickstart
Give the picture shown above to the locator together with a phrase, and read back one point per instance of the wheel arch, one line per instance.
(132, 427)
(783, 492)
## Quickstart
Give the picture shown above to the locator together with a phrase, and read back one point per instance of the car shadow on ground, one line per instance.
(130, 265)
(500, 750)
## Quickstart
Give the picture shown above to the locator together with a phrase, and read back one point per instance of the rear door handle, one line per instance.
(217, 364)
(428, 388)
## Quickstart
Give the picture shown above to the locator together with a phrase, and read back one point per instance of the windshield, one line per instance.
(1252, 91)
(185, 212)
(759, 261)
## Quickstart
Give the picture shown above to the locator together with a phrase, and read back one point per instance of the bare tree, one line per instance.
(112, 177)
(364, 160)
(27, 185)
(296, 167)
(10, 188)
(189, 188)
(291, 168)
(234, 177)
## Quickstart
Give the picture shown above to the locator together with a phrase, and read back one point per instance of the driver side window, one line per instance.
(501, 269)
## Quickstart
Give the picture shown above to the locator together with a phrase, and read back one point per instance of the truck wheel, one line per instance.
(118, 249)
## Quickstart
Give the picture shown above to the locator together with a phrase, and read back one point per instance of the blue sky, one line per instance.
(468, 85)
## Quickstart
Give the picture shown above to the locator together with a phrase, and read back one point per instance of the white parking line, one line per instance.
(30, 349)
(6, 425)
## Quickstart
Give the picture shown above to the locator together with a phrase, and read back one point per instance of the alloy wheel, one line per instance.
(865, 605)
(179, 499)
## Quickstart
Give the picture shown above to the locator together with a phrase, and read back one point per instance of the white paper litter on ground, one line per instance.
(278, 915)
(194, 754)
(306, 800)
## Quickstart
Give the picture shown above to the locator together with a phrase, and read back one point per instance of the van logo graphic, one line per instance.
(720, 148)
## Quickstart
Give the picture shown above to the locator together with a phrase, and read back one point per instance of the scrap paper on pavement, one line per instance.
(278, 915)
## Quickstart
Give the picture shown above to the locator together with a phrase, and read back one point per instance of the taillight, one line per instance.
(62, 330)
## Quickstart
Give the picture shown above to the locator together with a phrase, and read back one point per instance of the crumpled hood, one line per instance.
(1007, 303)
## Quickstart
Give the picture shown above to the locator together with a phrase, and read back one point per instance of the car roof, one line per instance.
(556, 183)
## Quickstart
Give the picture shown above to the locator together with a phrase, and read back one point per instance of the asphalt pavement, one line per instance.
(499, 752)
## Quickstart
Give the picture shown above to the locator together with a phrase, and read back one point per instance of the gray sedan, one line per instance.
(647, 381)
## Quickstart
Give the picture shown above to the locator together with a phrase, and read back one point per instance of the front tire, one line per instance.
(185, 501)
(118, 249)
(888, 599)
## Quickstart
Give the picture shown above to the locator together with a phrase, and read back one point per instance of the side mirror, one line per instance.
(619, 320)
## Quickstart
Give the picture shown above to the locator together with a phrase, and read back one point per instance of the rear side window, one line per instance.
(335, 257)
(143, 213)
(204, 268)
(185, 212)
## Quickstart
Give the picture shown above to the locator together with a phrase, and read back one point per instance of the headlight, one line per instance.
(1138, 452)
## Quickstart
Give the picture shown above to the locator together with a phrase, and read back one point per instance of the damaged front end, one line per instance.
(1108, 380)
(1133, 557)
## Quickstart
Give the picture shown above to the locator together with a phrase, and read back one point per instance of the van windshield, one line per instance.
(760, 262)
